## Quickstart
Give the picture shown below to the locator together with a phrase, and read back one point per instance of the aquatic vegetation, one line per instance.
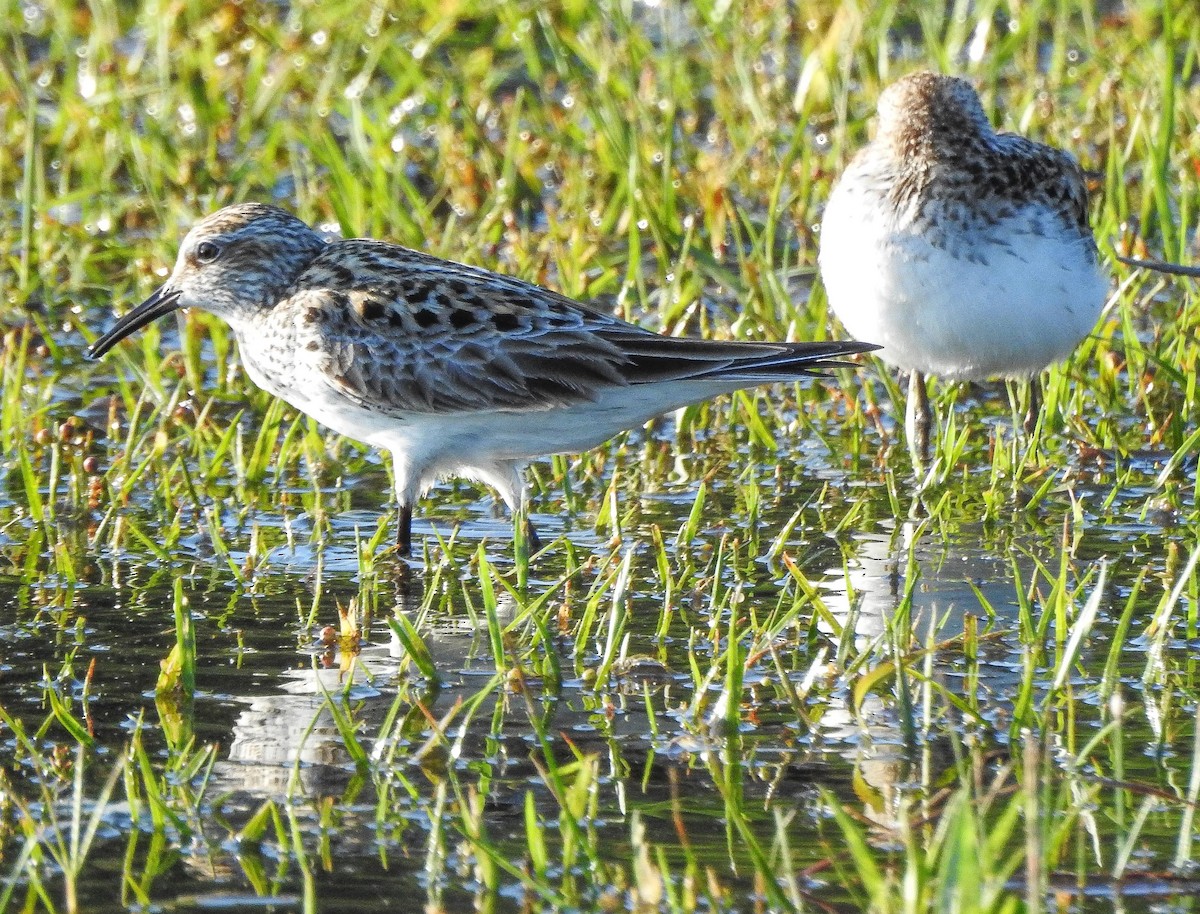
(760, 665)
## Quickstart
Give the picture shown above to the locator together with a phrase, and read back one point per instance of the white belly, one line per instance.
(487, 445)
(1005, 301)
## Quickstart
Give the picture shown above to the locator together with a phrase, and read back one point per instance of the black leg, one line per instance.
(525, 538)
(1035, 405)
(408, 594)
(531, 537)
(404, 530)
(917, 417)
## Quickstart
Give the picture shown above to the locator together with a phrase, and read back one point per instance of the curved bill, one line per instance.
(163, 301)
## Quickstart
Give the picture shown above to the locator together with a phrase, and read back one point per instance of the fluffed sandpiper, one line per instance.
(964, 252)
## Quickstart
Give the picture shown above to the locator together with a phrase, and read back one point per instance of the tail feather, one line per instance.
(654, 359)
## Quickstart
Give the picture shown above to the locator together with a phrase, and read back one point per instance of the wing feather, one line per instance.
(407, 334)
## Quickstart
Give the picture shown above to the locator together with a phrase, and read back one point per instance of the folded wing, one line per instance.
(465, 340)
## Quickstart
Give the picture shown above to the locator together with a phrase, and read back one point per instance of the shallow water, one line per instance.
(658, 751)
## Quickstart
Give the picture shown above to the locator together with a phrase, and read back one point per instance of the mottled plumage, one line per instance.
(964, 252)
(454, 369)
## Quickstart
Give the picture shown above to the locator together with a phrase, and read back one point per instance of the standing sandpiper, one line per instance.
(964, 252)
(454, 369)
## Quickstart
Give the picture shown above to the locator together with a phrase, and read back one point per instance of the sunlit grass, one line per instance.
(692, 698)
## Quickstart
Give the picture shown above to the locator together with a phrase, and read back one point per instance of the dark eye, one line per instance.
(207, 252)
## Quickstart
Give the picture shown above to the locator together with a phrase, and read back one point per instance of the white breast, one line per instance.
(1004, 299)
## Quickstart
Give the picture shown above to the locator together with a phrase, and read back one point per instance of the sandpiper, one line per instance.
(454, 369)
(963, 252)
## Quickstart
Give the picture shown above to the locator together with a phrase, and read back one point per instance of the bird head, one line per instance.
(234, 263)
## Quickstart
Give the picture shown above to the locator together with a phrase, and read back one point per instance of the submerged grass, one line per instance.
(761, 662)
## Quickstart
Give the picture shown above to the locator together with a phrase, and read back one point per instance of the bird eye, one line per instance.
(207, 252)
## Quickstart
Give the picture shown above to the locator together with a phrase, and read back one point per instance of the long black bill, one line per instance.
(163, 301)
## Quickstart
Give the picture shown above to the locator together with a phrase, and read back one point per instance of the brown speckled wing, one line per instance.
(400, 332)
(1035, 173)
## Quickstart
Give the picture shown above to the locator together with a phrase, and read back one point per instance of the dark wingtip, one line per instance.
(838, 349)
(853, 347)
(833, 357)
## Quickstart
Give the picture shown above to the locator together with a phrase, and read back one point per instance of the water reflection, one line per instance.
(647, 734)
(904, 587)
(907, 567)
(292, 733)
(894, 569)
